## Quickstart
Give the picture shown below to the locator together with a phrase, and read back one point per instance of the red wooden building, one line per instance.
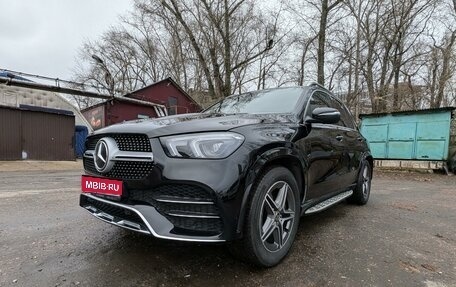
(159, 99)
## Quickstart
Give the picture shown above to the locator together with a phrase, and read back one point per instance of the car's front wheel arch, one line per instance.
(370, 159)
(269, 228)
(290, 162)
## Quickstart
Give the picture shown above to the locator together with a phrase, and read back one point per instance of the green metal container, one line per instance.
(412, 135)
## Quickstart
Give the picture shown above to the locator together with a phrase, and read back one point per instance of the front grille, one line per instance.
(122, 169)
(125, 142)
(189, 208)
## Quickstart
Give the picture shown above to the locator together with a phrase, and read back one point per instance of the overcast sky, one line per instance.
(42, 37)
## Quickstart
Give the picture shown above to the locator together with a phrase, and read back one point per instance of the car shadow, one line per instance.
(155, 260)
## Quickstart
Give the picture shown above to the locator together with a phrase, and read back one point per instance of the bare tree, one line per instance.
(389, 31)
(442, 61)
(326, 8)
(213, 29)
(381, 55)
(441, 68)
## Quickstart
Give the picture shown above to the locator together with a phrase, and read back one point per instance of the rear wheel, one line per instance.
(272, 219)
(362, 191)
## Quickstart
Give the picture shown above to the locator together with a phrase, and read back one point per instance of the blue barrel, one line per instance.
(81, 133)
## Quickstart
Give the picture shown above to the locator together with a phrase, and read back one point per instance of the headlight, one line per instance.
(204, 145)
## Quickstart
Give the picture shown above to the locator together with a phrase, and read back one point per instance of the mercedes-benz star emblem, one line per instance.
(102, 157)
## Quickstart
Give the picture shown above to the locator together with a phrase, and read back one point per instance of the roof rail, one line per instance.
(317, 84)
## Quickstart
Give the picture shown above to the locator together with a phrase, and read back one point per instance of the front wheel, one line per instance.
(362, 190)
(272, 219)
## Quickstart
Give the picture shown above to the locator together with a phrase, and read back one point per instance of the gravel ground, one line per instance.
(404, 236)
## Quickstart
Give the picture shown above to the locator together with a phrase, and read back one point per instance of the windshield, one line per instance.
(281, 101)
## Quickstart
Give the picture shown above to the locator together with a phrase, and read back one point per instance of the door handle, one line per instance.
(339, 138)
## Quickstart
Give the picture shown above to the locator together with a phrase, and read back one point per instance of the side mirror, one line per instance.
(324, 116)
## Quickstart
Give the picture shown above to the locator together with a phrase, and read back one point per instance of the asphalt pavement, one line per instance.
(404, 236)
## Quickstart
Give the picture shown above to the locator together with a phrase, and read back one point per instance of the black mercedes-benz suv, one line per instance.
(243, 171)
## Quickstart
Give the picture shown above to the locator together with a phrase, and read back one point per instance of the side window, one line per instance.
(345, 117)
(318, 100)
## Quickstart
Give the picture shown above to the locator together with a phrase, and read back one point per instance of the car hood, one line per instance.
(190, 123)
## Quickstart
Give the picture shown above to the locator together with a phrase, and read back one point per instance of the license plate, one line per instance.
(112, 187)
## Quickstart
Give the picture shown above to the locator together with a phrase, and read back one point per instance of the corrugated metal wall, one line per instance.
(420, 135)
(36, 135)
(10, 134)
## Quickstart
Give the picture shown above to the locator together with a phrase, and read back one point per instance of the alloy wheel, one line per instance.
(366, 181)
(277, 216)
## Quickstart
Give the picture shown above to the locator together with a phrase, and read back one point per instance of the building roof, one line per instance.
(434, 110)
(160, 109)
(14, 96)
(169, 79)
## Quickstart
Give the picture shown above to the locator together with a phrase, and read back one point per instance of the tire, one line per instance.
(362, 190)
(272, 219)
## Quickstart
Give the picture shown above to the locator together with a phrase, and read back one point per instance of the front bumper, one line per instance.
(141, 218)
(178, 199)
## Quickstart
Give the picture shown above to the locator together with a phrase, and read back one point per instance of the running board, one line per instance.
(329, 202)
